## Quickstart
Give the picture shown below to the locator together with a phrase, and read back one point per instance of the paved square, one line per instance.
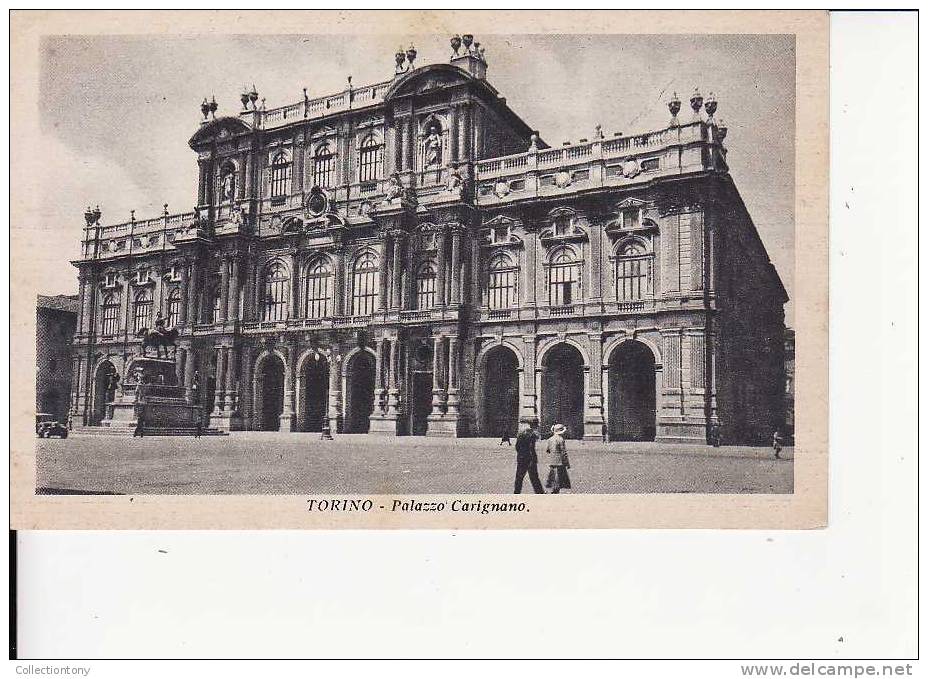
(275, 463)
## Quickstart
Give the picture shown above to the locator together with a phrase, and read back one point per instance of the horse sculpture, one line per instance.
(158, 338)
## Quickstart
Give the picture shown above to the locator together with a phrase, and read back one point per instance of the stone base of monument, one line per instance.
(150, 392)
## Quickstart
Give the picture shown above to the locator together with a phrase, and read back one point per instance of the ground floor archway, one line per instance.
(500, 398)
(360, 393)
(314, 393)
(632, 393)
(269, 392)
(103, 391)
(562, 390)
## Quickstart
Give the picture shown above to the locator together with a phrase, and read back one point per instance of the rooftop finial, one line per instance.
(712, 106)
(253, 95)
(411, 54)
(455, 45)
(696, 104)
(204, 109)
(674, 106)
(400, 57)
(213, 106)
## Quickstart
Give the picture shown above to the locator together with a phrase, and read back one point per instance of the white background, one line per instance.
(844, 592)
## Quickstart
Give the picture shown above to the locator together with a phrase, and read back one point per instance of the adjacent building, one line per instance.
(411, 258)
(56, 322)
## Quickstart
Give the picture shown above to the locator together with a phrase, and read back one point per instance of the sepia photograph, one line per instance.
(416, 264)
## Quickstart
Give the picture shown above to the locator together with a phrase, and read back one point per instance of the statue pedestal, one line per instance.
(150, 392)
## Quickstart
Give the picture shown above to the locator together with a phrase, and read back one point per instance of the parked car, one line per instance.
(47, 426)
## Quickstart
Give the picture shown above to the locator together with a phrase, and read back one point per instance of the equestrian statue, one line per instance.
(158, 338)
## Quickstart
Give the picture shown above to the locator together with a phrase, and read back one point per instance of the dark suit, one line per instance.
(527, 460)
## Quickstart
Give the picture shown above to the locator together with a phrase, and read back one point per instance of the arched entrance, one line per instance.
(102, 391)
(314, 393)
(562, 390)
(500, 396)
(360, 393)
(632, 394)
(270, 393)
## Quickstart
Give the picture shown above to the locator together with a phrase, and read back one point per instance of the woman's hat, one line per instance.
(558, 428)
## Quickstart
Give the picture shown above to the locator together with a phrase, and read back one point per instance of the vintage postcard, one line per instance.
(419, 269)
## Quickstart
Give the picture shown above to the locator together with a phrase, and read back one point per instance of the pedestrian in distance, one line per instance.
(505, 438)
(557, 460)
(777, 444)
(199, 429)
(139, 426)
(527, 458)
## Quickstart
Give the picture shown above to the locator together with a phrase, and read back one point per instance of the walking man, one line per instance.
(527, 458)
(777, 444)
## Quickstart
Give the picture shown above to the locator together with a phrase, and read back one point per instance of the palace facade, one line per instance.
(411, 258)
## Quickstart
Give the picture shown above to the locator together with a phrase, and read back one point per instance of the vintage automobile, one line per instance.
(47, 426)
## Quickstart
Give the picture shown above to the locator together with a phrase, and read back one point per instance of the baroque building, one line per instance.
(411, 258)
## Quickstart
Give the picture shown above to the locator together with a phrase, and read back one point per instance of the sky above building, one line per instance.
(116, 111)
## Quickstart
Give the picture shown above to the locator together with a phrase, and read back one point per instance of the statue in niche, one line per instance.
(433, 145)
(227, 190)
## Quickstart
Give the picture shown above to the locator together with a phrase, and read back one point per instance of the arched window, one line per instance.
(276, 291)
(317, 289)
(110, 314)
(502, 283)
(280, 176)
(632, 272)
(227, 183)
(425, 286)
(364, 285)
(370, 161)
(174, 303)
(324, 166)
(143, 309)
(563, 277)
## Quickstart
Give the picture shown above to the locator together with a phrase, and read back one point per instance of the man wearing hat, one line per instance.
(558, 462)
(526, 457)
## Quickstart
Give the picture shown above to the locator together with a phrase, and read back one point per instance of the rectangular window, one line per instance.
(364, 298)
(563, 284)
(142, 315)
(632, 279)
(324, 171)
(280, 180)
(502, 289)
(110, 317)
(173, 310)
(371, 163)
(425, 292)
(318, 292)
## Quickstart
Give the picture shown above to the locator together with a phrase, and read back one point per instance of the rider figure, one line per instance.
(159, 324)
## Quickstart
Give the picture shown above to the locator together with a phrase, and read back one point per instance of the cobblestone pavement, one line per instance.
(270, 462)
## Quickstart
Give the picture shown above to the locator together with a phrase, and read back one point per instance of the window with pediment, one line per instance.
(502, 282)
(425, 286)
(563, 277)
(276, 291)
(142, 310)
(280, 176)
(324, 166)
(364, 285)
(633, 267)
(110, 314)
(370, 159)
(317, 288)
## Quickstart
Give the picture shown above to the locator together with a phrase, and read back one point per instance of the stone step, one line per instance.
(149, 431)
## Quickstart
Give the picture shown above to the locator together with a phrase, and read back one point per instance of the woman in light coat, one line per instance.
(556, 457)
